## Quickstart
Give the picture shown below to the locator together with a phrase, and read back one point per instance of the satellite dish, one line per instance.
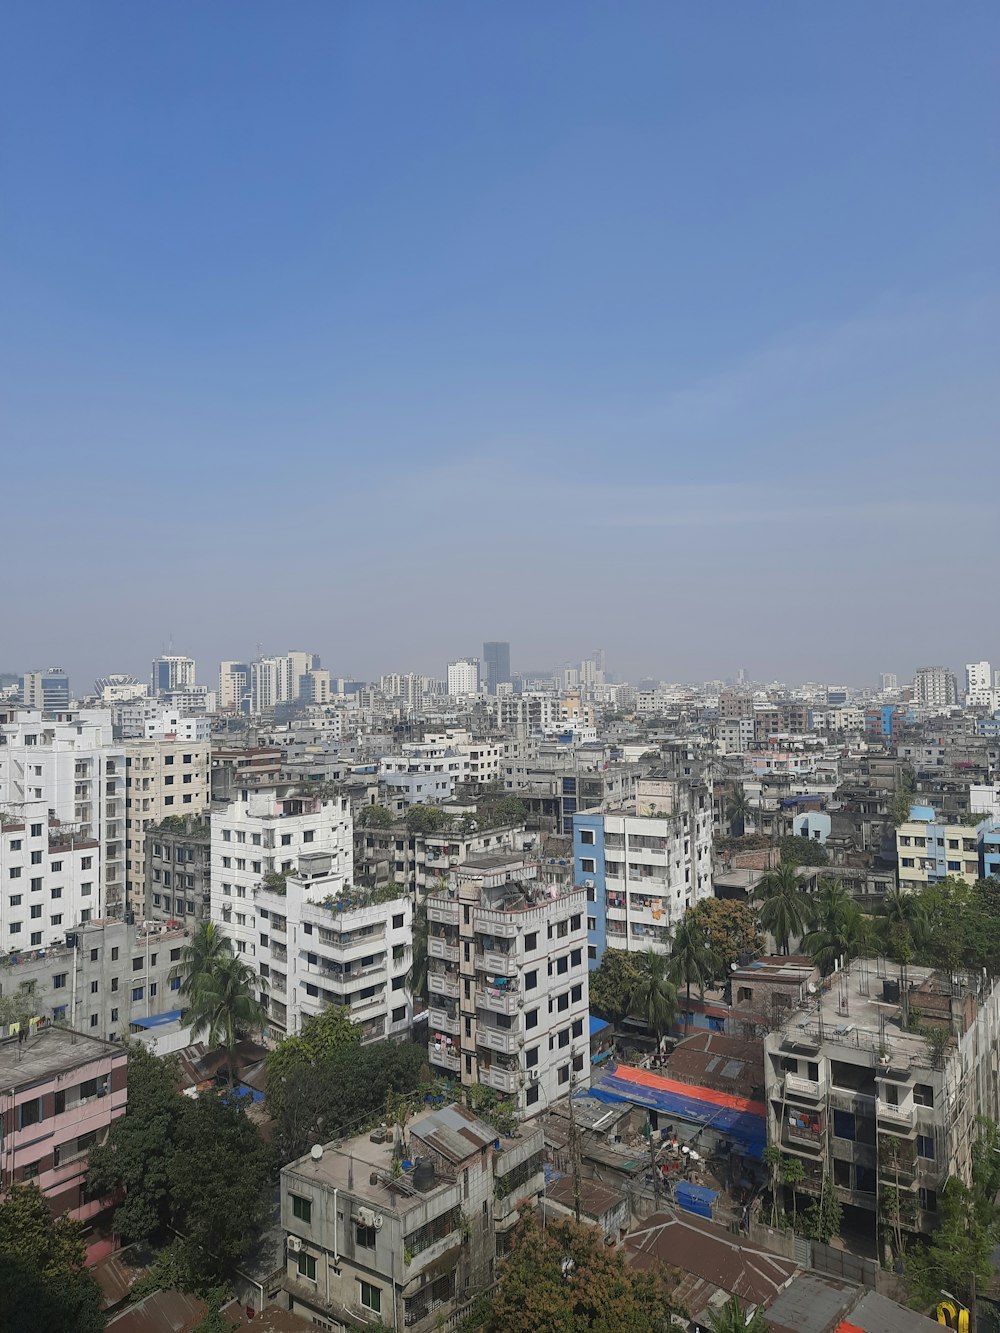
(316, 1152)
(379, 1221)
(734, 967)
(811, 988)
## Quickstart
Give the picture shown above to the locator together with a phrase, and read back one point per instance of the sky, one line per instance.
(379, 330)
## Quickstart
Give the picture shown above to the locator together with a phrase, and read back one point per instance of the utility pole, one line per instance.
(574, 1154)
(652, 1167)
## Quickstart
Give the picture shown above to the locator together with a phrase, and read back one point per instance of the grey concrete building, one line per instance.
(179, 871)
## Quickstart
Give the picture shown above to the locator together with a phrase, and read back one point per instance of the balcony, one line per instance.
(494, 924)
(498, 1001)
(502, 1080)
(809, 1088)
(497, 1039)
(444, 983)
(895, 1117)
(445, 1059)
(443, 1021)
(497, 963)
(442, 912)
(440, 948)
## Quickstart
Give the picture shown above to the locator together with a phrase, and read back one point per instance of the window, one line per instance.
(302, 1209)
(137, 992)
(925, 1147)
(93, 987)
(36, 938)
(587, 837)
(114, 983)
(36, 884)
(578, 1027)
(56, 893)
(563, 1076)
(59, 980)
(15, 900)
(576, 993)
(371, 1297)
(29, 1113)
(928, 1200)
(306, 1265)
(286, 840)
(15, 928)
(36, 830)
(36, 858)
(397, 921)
(309, 835)
(530, 980)
(923, 1094)
(114, 1014)
(532, 1094)
(87, 863)
(29, 1171)
(36, 911)
(531, 1018)
(398, 1015)
(365, 1237)
(574, 922)
(531, 941)
(15, 872)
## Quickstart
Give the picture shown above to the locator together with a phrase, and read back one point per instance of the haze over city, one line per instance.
(668, 328)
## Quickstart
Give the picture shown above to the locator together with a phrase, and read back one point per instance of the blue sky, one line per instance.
(384, 329)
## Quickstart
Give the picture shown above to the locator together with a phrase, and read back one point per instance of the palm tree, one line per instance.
(903, 930)
(692, 962)
(732, 1318)
(840, 928)
(738, 809)
(654, 999)
(785, 909)
(225, 1005)
(209, 944)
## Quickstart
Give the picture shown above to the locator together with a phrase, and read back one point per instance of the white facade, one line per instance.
(234, 685)
(463, 676)
(735, 734)
(979, 683)
(75, 768)
(934, 687)
(173, 673)
(656, 865)
(118, 688)
(50, 879)
(170, 724)
(508, 982)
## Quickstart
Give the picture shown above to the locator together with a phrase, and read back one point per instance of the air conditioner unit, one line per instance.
(588, 883)
(366, 1217)
(294, 1244)
(533, 1075)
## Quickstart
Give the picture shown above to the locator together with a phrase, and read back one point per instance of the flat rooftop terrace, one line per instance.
(50, 1051)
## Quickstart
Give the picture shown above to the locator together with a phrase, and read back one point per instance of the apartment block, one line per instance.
(179, 870)
(421, 861)
(928, 849)
(868, 1101)
(508, 982)
(463, 676)
(49, 879)
(173, 673)
(404, 1228)
(60, 1092)
(264, 833)
(643, 865)
(105, 976)
(168, 777)
(47, 691)
(71, 765)
(935, 687)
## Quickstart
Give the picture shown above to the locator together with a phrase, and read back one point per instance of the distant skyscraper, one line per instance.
(45, 690)
(935, 687)
(889, 681)
(172, 673)
(463, 676)
(978, 680)
(496, 664)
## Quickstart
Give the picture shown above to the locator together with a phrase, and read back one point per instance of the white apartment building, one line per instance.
(734, 734)
(463, 676)
(264, 832)
(535, 711)
(320, 941)
(978, 680)
(119, 687)
(934, 687)
(435, 760)
(508, 982)
(164, 777)
(49, 879)
(234, 685)
(173, 673)
(168, 723)
(75, 769)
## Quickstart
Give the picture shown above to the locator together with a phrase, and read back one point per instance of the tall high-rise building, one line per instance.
(888, 681)
(234, 686)
(173, 673)
(978, 681)
(463, 676)
(935, 687)
(496, 664)
(47, 691)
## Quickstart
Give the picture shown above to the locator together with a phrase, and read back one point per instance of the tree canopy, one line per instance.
(45, 1286)
(797, 851)
(613, 984)
(730, 930)
(565, 1278)
(785, 911)
(321, 1035)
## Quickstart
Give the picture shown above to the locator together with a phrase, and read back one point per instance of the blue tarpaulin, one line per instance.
(695, 1198)
(597, 1025)
(157, 1020)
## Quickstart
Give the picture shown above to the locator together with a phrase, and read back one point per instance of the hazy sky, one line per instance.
(381, 329)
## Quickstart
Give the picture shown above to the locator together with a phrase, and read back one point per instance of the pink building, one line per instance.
(59, 1092)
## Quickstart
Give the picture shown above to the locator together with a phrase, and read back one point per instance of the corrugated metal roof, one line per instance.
(454, 1132)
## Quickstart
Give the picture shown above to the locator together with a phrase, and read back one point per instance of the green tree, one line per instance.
(225, 1007)
(220, 1178)
(45, 1286)
(374, 816)
(729, 928)
(692, 962)
(902, 930)
(821, 1220)
(612, 985)
(840, 928)
(732, 1318)
(738, 810)
(772, 1160)
(135, 1158)
(785, 909)
(209, 944)
(424, 819)
(416, 977)
(654, 1000)
(802, 852)
(565, 1278)
(792, 1174)
(321, 1035)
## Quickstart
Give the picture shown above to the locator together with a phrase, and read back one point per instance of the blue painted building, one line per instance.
(589, 872)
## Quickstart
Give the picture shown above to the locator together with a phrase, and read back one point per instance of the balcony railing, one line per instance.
(503, 1080)
(796, 1086)
(498, 1001)
(896, 1115)
(445, 1058)
(443, 983)
(502, 964)
(496, 1039)
(443, 1021)
(439, 948)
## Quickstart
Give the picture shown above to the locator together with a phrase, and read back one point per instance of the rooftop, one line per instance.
(50, 1051)
(816, 1304)
(451, 1131)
